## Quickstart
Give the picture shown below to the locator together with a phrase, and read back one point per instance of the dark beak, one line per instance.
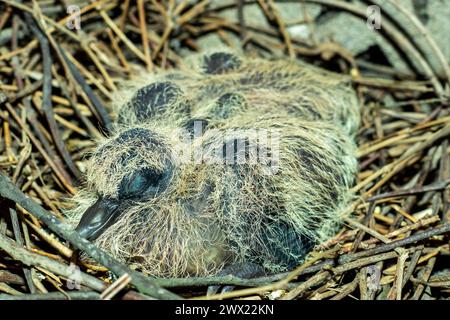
(98, 218)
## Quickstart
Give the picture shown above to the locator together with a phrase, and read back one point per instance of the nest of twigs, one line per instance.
(56, 82)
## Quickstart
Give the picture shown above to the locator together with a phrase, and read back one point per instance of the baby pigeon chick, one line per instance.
(235, 165)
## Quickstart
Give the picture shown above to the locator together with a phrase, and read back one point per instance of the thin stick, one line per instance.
(437, 186)
(82, 295)
(432, 44)
(32, 259)
(116, 287)
(38, 145)
(99, 108)
(444, 228)
(424, 277)
(143, 25)
(122, 36)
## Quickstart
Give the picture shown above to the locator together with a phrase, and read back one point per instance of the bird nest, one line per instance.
(56, 88)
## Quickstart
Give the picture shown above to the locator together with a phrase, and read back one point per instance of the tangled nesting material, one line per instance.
(233, 160)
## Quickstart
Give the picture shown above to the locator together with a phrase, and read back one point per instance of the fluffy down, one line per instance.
(250, 160)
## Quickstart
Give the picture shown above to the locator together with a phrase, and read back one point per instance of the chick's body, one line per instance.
(233, 161)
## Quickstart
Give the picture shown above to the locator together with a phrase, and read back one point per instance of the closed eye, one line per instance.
(141, 183)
